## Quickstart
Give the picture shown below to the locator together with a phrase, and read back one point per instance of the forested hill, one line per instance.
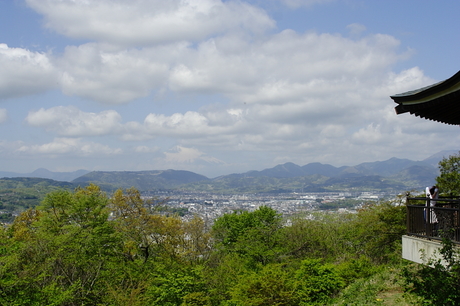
(392, 175)
(17, 194)
(44, 173)
(36, 183)
(142, 180)
(76, 249)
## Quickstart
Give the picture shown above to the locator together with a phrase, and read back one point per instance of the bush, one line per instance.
(273, 285)
(436, 283)
(317, 283)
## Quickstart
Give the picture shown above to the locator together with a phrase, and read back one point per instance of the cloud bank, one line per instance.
(286, 95)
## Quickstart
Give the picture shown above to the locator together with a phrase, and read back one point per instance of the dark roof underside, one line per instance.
(439, 102)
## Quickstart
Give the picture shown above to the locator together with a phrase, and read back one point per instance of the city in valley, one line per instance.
(211, 206)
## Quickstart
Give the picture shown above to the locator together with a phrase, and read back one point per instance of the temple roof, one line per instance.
(439, 102)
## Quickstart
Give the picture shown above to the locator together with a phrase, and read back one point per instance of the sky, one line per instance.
(219, 87)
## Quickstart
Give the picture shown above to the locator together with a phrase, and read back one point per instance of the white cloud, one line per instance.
(209, 126)
(406, 80)
(189, 123)
(70, 121)
(284, 66)
(368, 135)
(211, 77)
(181, 155)
(24, 72)
(147, 22)
(114, 76)
(356, 29)
(146, 149)
(69, 146)
(333, 131)
(7, 147)
(287, 66)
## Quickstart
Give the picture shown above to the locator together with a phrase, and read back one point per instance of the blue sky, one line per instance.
(219, 87)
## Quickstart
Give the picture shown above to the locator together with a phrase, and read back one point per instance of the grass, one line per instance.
(380, 289)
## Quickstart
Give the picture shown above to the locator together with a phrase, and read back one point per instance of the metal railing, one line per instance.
(434, 222)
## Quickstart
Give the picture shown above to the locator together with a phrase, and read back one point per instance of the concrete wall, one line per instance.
(420, 250)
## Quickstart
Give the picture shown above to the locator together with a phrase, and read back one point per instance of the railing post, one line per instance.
(408, 214)
(428, 227)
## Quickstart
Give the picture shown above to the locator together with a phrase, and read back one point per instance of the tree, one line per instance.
(317, 283)
(437, 282)
(254, 235)
(273, 285)
(321, 236)
(449, 178)
(377, 231)
(60, 254)
(133, 219)
(149, 234)
(178, 286)
(196, 241)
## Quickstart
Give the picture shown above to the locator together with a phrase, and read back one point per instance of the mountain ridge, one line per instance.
(394, 173)
(46, 174)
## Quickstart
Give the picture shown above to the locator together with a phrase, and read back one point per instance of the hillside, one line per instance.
(393, 175)
(44, 173)
(142, 180)
(18, 194)
(325, 259)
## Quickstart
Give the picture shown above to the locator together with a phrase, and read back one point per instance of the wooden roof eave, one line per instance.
(426, 92)
(439, 102)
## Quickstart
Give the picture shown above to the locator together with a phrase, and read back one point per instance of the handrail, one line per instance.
(434, 222)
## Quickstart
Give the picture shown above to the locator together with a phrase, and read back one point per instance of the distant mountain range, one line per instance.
(142, 180)
(391, 175)
(44, 173)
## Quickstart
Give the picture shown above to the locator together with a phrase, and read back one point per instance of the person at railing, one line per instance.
(431, 193)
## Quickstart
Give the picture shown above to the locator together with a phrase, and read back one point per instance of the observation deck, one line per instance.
(427, 225)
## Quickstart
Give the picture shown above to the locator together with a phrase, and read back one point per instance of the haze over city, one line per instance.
(218, 87)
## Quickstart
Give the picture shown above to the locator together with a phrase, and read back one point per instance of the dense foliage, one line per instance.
(448, 180)
(19, 194)
(436, 282)
(84, 248)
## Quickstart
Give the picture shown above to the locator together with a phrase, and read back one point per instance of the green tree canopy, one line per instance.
(60, 254)
(254, 235)
(449, 178)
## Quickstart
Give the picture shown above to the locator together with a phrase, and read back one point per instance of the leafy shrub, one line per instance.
(354, 269)
(437, 282)
(171, 287)
(271, 286)
(317, 283)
